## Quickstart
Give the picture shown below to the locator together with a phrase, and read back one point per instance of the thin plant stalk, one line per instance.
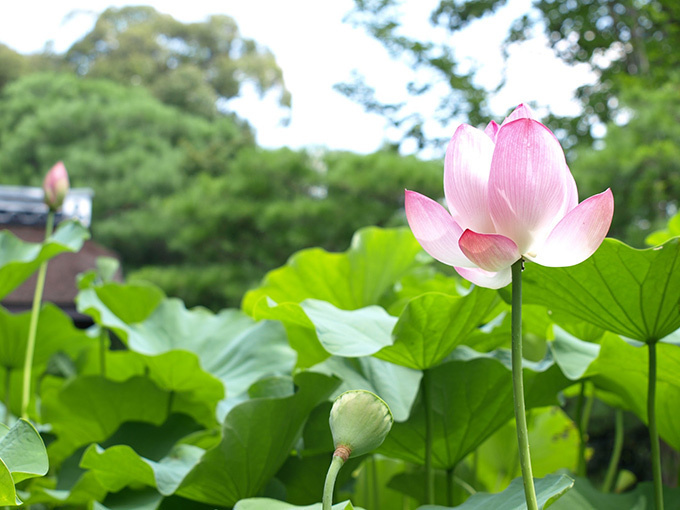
(613, 468)
(581, 466)
(518, 387)
(375, 492)
(8, 394)
(653, 432)
(329, 485)
(450, 485)
(429, 470)
(584, 408)
(33, 326)
(103, 337)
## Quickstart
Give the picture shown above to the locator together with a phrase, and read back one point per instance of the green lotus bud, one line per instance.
(360, 421)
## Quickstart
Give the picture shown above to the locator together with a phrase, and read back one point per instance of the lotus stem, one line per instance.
(518, 387)
(103, 337)
(33, 326)
(583, 411)
(329, 485)
(653, 432)
(429, 471)
(613, 468)
(450, 485)
(8, 394)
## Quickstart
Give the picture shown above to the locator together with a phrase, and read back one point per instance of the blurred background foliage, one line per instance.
(138, 111)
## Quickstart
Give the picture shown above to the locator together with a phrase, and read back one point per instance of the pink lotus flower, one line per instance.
(56, 186)
(510, 195)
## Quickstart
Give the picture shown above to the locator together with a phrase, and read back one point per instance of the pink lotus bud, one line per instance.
(510, 196)
(56, 186)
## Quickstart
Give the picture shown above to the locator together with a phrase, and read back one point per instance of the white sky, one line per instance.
(316, 49)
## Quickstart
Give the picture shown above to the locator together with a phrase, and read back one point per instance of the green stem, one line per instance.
(616, 452)
(518, 387)
(103, 337)
(33, 326)
(581, 467)
(585, 408)
(8, 394)
(374, 482)
(336, 464)
(653, 432)
(429, 471)
(450, 484)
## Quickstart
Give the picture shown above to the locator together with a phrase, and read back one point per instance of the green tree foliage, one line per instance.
(626, 42)
(230, 228)
(458, 94)
(640, 160)
(189, 65)
(12, 65)
(623, 41)
(191, 203)
(122, 142)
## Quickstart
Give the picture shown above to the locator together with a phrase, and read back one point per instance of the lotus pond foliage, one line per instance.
(231, 409)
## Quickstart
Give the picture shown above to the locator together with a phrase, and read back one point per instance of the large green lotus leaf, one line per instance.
(585, 497)
(22, 456)
(147, 499)
(548, 491)
(634, 293)
(348, 333)
(396, 385)
(301, 333)
(129, 302)
(156, 444)
(79, 492)
(257, 437)
(56, 335)
(120, 466)
(421, 280)
(20, 259)
(542, 379)
(89, 409)
(196, 392)
(55, 332)
(434, 324)
(8, 493)
(471, 399)
(621, 369)
(573, 356)
(22, 451)
(553, 439)
(273, 504)
(230, 345)
(357, 278)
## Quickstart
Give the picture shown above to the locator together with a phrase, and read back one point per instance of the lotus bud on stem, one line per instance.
(55, 186)
(359, 421)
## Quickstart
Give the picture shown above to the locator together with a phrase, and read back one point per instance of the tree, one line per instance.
(120, 141)
(640, 160)
(624, 42)
(191, 203)
(186, 65)
(438, 71)
(230, 228)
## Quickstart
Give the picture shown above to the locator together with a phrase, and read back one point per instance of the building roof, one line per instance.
(23, 212)
(24, 205)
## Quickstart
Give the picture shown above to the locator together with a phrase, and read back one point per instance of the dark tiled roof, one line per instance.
(23, 212)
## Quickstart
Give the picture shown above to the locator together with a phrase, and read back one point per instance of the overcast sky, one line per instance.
(316, 49)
